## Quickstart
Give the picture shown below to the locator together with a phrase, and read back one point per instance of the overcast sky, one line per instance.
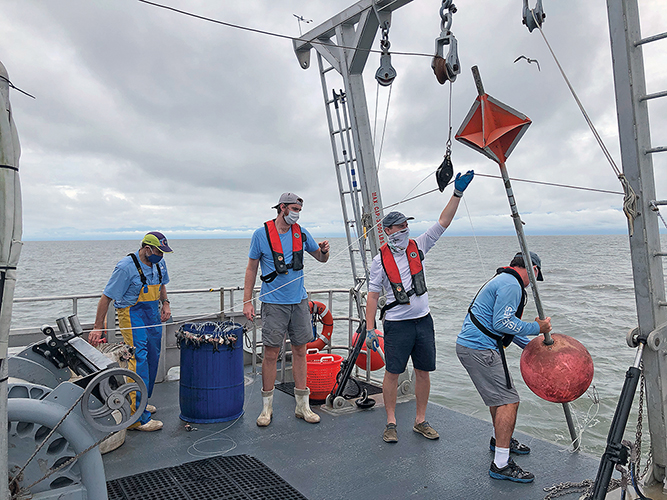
(147, 119)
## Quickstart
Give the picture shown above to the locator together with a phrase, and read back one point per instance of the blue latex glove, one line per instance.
(461, 182)
(372, 340)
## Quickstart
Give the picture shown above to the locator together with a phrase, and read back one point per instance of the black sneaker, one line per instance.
(512, 472)
(515, 447)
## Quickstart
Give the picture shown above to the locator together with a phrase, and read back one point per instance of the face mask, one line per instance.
(292, 218)
(398, 241)
(154, 259)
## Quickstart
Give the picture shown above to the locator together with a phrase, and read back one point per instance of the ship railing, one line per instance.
(230, 308)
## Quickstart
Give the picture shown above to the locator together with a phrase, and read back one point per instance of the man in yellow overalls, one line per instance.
(138, 288)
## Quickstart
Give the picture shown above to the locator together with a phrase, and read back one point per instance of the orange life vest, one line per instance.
(401, 295)
(277, 250)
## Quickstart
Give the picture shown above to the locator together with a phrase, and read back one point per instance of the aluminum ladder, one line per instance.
(345, 163)
(636, 155)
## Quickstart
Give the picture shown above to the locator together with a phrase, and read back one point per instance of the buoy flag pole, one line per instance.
(518, 225)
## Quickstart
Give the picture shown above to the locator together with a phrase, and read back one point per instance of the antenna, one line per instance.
(301, 19)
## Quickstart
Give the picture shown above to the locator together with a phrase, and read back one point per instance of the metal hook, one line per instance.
(386, 73)
(446, 68)
(533, 18)
(445, 22)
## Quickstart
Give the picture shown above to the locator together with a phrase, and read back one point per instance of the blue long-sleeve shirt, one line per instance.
(494, 308)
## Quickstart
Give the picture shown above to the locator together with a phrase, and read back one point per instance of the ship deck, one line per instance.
(344, 456)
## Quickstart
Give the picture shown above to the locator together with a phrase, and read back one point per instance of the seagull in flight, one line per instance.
(529, 60)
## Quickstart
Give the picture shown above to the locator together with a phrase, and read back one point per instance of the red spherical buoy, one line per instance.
(560, 372)
(376, 359)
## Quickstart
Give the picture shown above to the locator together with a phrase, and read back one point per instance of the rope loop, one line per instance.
(629, 202)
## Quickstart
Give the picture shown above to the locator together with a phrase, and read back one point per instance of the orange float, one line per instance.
(321, 314)
(376, 359)
(560, 372)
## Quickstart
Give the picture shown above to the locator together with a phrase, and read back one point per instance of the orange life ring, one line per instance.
(320, 313)
(376, 359)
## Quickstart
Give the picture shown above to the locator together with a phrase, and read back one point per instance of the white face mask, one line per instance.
(292, 218)
(398, 241)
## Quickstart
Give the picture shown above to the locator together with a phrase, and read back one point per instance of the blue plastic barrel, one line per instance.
(211, 384)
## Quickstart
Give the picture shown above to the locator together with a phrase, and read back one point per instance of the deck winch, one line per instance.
(56, 425)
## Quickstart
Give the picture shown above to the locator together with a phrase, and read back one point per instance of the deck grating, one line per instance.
(114, 491)
(237, 477)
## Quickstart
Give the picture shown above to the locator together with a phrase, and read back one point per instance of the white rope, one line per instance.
(630, 201)
(384, 129)
(194, 450)
(375, 118)
(472, 227)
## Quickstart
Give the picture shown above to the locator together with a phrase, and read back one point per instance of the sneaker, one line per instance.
(390, 435)
(151, 409)
(515, 447)
(426, 430)
(151, 425)
(512, 472)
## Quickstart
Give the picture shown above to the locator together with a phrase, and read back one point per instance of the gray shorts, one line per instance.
(281, 319)
(486, 371)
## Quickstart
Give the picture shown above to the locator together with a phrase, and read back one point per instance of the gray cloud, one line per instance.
(149, 119)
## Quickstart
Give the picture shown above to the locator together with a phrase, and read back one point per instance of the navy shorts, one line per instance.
(409, 338)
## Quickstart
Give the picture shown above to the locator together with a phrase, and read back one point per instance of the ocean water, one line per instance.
(588, 292)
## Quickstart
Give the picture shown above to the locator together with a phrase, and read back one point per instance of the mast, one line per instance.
(10, 249)
(344, 42)
(636, 156)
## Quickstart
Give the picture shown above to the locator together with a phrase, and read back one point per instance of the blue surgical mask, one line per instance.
(154, 259)
(292, 218)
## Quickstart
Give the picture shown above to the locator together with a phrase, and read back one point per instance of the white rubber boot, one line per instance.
(303, 406)
(264, 418)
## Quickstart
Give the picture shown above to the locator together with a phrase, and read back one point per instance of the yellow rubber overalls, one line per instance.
(147, 340)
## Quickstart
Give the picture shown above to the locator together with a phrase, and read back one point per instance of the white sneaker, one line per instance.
(151, 409)
(151, 425)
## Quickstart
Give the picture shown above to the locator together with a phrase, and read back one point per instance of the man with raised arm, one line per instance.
(138, 289)
(493, 322)
(408, 326)
(279, 246)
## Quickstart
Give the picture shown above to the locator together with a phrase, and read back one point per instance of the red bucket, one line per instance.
(322, 370)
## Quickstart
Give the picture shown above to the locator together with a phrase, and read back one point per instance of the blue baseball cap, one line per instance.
(535, 259)
(393, 218)
(158, 240)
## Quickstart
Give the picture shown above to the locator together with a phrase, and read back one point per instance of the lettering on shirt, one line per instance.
(509, 320)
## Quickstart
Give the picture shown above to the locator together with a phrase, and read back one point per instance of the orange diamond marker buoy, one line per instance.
(560, 372)
(492, 128)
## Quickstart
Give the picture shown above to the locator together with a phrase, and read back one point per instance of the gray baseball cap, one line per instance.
(289, 199)
(393, 218)
(535, 259)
